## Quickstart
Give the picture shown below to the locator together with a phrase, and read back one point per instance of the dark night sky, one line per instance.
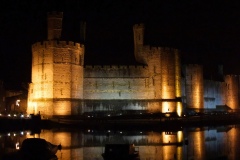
(207, 33)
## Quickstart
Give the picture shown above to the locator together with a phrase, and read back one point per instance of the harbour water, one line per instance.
(198, 143)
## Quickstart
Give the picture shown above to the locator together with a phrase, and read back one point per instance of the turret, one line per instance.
(138, 34)
(82, 32)
(54, 25)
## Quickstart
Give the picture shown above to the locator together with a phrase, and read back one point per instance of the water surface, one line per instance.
(221, 142)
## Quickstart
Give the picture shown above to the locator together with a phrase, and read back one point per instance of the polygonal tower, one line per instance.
(138, 35)
(232, 91)
(57, 73)
(194, 86)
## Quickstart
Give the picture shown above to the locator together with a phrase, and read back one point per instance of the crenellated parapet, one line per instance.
(232, 90)
(56, 44)
(55, 14)
(140, 25)
(114, 66)
(115, 71)
(194, 85)
(151, 50)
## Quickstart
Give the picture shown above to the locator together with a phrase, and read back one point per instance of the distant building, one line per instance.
(16, 101)
(63, 85)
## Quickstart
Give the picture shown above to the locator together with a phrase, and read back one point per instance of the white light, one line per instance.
(141, 132)
(0, 114)
(22, 115)
(109, 115)
(14, 134)
(89, 130)
(109, 131)
(121, 132)
(17, 146)
(9, 115)
(22, 133)
(9, 134)
(17, 102)
(15, 115)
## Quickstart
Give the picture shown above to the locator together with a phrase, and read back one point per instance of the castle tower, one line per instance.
(194, 86)
(82, 32)
(54, 25)
(138, 35)
(178, 91)
(168, 80)
(232, 90)
(57, 75)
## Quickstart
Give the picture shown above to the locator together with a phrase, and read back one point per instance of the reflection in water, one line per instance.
(189, 143)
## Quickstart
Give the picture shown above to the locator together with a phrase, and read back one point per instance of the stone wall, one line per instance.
(57, 73)
(232, 91)
(194, 86)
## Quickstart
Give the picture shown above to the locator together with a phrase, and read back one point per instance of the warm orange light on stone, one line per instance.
(179, 109)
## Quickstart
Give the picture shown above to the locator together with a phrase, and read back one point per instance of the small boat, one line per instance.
(38, 148)
(120, 151)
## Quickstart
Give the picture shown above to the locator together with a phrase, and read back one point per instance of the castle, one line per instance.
(63, 85)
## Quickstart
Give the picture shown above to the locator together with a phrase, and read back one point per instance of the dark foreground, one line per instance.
(127, 122)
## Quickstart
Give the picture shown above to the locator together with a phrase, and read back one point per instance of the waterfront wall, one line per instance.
(63, 85)
(194, 86)
(232, 91)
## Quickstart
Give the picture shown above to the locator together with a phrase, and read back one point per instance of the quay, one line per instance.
(126, 121)
(144, 121)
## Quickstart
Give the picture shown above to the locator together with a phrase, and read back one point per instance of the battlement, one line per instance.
(115, 66)
(57, 44)
(193, 65)
(141, 25)
(148, 48)
(162, 49)
(231, 76)
(55, 14)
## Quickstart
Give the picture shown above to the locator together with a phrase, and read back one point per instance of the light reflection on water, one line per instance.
(189, 143)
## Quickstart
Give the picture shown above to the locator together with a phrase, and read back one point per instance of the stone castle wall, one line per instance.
(113, 71)
(62, 85)
(56, 76)
(214, 94)
(232, 91)
(194, 88)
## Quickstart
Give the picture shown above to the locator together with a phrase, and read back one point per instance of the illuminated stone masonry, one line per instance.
(63, 85)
